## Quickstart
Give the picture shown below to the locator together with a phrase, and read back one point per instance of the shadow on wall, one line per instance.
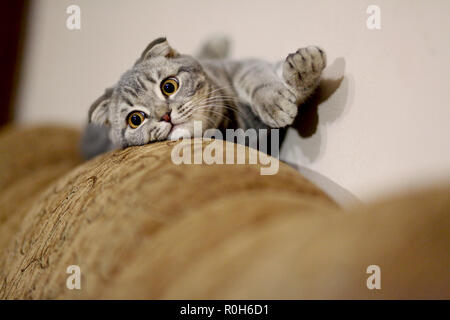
(333, 96)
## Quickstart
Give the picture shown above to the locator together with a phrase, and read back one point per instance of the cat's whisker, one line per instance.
(204, 117)
(222, 88)
(217, 100)
(210, 99)
(203, 108)
(214, 93)
(214, 112)
(215, 106)
(211, 106)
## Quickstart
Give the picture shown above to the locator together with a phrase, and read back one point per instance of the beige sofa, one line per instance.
(139, 226)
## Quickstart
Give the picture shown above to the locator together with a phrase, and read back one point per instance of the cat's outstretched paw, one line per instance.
(275, 104)
(302, 69)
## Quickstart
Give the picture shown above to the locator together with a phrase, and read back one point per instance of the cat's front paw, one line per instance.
(275, 105)
(303, 68)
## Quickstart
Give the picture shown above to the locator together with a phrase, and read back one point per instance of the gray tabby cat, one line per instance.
(162, 95)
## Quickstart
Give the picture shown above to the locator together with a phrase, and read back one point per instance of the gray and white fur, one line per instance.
(220, 92)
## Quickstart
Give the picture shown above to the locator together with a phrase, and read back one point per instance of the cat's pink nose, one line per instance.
(166, 117)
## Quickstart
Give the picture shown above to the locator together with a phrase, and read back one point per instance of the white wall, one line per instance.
(386, 127)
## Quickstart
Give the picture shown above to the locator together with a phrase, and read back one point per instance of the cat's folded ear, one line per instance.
(98, 112)
(158, 47)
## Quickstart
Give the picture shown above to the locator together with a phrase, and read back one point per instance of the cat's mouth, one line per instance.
(175, 127)
(178, 131)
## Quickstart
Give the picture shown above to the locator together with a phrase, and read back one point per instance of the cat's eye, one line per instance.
(136, 118)
(169, 86)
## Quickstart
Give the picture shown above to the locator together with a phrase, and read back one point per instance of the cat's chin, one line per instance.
(179, 131)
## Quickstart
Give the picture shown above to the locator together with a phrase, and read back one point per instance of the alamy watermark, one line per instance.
(74, 280)
(374, 281)
(73, 21)
(374, 20)
(218, 151)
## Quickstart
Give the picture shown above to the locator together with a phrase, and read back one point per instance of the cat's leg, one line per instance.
(266, 93)
(275, 92)
(302, 70)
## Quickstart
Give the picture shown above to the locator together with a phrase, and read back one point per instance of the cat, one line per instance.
(164, 92)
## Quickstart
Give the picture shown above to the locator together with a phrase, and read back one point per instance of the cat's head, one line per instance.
(158, 98)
